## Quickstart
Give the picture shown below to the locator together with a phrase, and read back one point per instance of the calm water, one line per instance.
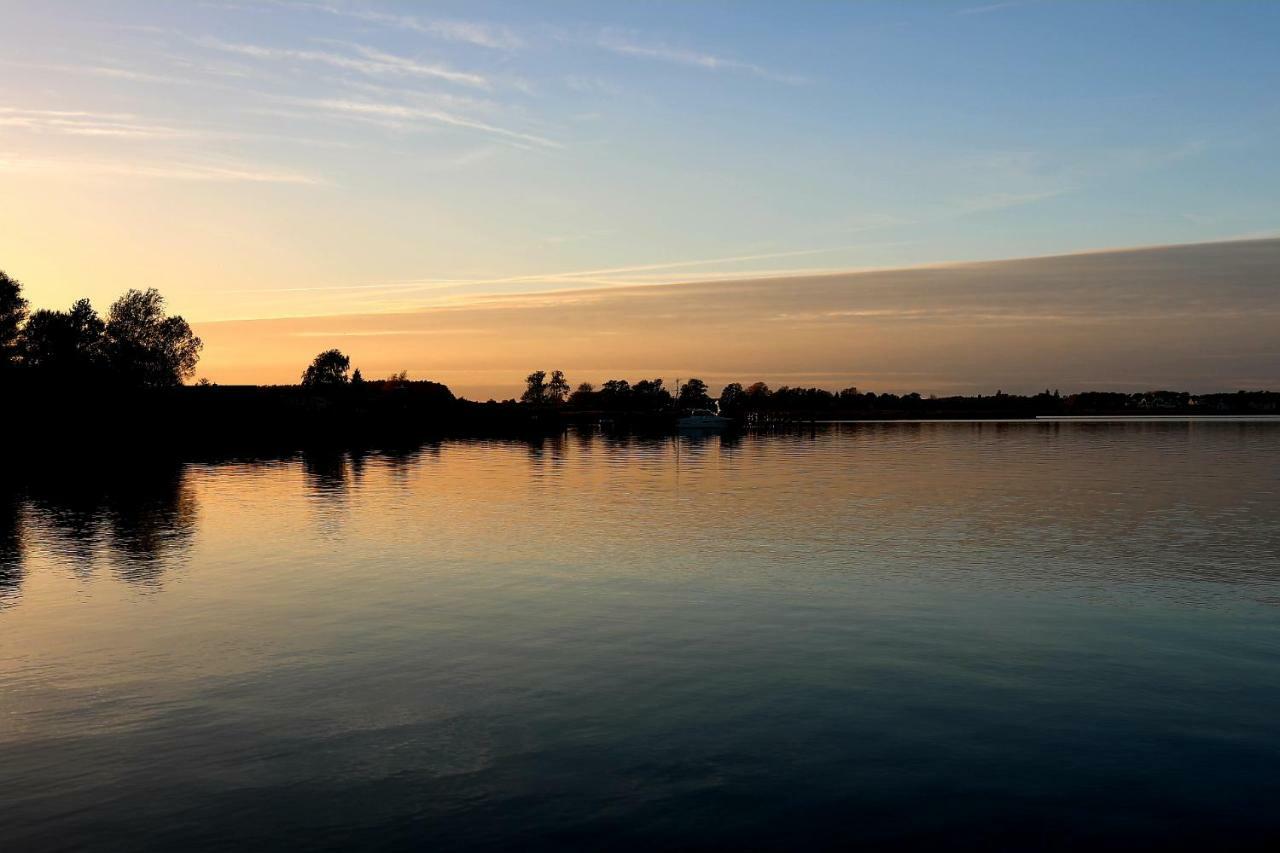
(976, 634)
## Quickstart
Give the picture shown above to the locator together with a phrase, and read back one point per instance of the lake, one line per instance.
(965, 634)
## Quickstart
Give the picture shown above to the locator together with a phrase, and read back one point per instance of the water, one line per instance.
(986, 634)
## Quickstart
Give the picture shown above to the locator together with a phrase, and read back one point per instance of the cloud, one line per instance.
(1137, 317)
(383, 333)
(110, 71)
(678, 264)
(78, 123)
(220, 173)
(400, 114)
(467, 32)
(588, 84)
(693, 58)
(575, 281)
(369, 61)
(994, 7)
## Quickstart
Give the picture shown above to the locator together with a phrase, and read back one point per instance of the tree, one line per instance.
(535, 388)
(732, 398)
(538, 391)
(558, 388)
(616, 388)
(145, 347)
(357, 378)
(13, 310)
(693, 395)
(69, 343)
(328, 368)
(615, 395)
(649, 394)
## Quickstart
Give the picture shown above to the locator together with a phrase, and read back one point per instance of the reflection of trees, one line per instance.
(326, 471)
(73, 512)
(730, 441)
(547, 448)
(151, 523)
(328, 475)
(359, 458)
(11, 568)
(584, 439)
(145, 516)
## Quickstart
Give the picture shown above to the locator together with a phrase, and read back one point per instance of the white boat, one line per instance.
(702, 419)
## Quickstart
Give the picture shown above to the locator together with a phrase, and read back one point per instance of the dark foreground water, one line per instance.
(973, 635)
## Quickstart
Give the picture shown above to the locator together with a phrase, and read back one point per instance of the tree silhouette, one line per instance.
(70, 344)
(13, 310)
(693, 395)
(558, 388)
(732, 399)
(535, 387)
(616, 388)
(650, 395)
(328, 368)
(144, 346)
(757, 395)
(539, 391)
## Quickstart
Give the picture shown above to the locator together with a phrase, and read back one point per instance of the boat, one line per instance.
(702, 419)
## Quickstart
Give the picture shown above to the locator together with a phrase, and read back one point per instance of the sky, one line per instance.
(302, 162)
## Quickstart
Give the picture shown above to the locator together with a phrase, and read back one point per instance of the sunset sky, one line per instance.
(443, 187)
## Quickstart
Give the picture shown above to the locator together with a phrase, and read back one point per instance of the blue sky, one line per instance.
(292, 158)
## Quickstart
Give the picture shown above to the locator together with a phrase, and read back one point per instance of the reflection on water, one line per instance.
(136, 520)
(983, 633)
(10, 547)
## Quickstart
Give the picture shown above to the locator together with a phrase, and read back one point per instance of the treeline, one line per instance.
(615, 395)
(758, 402)
(136, 345)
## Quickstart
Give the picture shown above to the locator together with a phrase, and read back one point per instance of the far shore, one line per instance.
(400, 411)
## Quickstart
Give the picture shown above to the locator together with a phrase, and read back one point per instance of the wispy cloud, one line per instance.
(670, 265)
(385, 333)
(401, 115)
(110, 71)
(367, 60)
(590, 84)
(467, 32)
(222, 173)
(78, 123)
(607, 276)
(994, 7)
(130, 126)
(475, 33)
(693, 58)
(450, 101)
